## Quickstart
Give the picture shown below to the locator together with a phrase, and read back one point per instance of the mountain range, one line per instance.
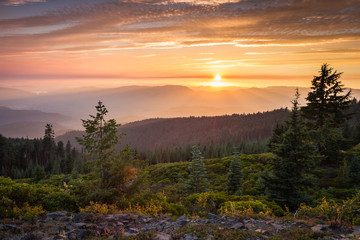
(133, 103)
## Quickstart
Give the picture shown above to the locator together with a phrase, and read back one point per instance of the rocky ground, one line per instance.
(64, 225)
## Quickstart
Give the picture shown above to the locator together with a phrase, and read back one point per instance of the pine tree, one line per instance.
(197, 182)
(49, 146)
(325, 99)
(100, 141)
(234, 180)
(288, 178)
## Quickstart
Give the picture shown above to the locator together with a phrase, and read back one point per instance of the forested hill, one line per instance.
(178, 132)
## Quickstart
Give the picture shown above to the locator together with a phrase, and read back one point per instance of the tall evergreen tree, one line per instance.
(326, 99)
(49, 147)
(234, 180)
(288, 178)
(197, 182)
(100, 141)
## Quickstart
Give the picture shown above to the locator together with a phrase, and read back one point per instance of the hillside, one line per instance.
(177, 132)
(29, 123)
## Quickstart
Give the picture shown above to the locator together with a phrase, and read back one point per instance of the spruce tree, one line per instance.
(197, 181)
(289, 174)
(326, 99)
(100, 141)
(234, 180)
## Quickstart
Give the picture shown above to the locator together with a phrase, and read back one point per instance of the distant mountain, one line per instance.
(133, 103)
(9, 115)
(29, 129)
(174, 132)
(29, 123)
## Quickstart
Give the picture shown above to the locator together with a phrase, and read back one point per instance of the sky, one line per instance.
(52, 44)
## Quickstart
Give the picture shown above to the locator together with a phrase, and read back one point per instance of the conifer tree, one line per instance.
(100, 141)
(289, 176)
(49, 145)
(234, 180)
(197, 182)
(325, 99)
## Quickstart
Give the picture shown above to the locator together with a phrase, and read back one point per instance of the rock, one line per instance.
(31, 236)
(320, 228)
(10, 228)
(162, 236)
(133, 231)
(79, 225)
(278, 227)
(212, 216)
(237, 226)
(57, 215)
(83, 217)
(78, 234)
(356, 231)
(189, 236)
(182, 221)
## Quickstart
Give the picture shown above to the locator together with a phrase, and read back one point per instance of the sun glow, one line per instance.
(218, 82)
(217, 78)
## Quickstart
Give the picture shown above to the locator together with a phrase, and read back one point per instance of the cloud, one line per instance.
(18, 2)
(182, 23)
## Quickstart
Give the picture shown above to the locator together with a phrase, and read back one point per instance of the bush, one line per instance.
(203, 203)
(99, 208)
(246, 208)
(57, 201)
(333, 212)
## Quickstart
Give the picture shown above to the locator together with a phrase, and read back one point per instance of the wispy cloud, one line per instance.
(18, 2)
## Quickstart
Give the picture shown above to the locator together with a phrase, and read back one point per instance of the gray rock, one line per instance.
(57, 215)
(162, 236)
(83, 217)
(212, 216)
(79, 225)
(189, 236)
(320, 228)
(78, 234)
(356, 231)
(31, 236)
(133, 231)
(237, 226)
(182, 221)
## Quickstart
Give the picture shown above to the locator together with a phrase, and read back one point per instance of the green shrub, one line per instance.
(57, 201)
(174, 209)
(246, 208)
(203, 203)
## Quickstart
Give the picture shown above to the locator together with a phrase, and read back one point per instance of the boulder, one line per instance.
(57, 215)
(189, 236)
(162, 236)
(320, 228)
(83, 217)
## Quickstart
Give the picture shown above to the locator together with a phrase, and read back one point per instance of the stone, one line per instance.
(31, 236)
(133, 231)
(83, 217)
(211, 216)
(189, 236)
(162, 236)
(356, 231)
(78, 234)
(320, 228)
(57, 215)
(238, 226)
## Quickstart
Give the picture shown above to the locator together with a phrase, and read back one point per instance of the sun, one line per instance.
(217, 78)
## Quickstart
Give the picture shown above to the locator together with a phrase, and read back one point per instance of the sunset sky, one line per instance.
(49, 44)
